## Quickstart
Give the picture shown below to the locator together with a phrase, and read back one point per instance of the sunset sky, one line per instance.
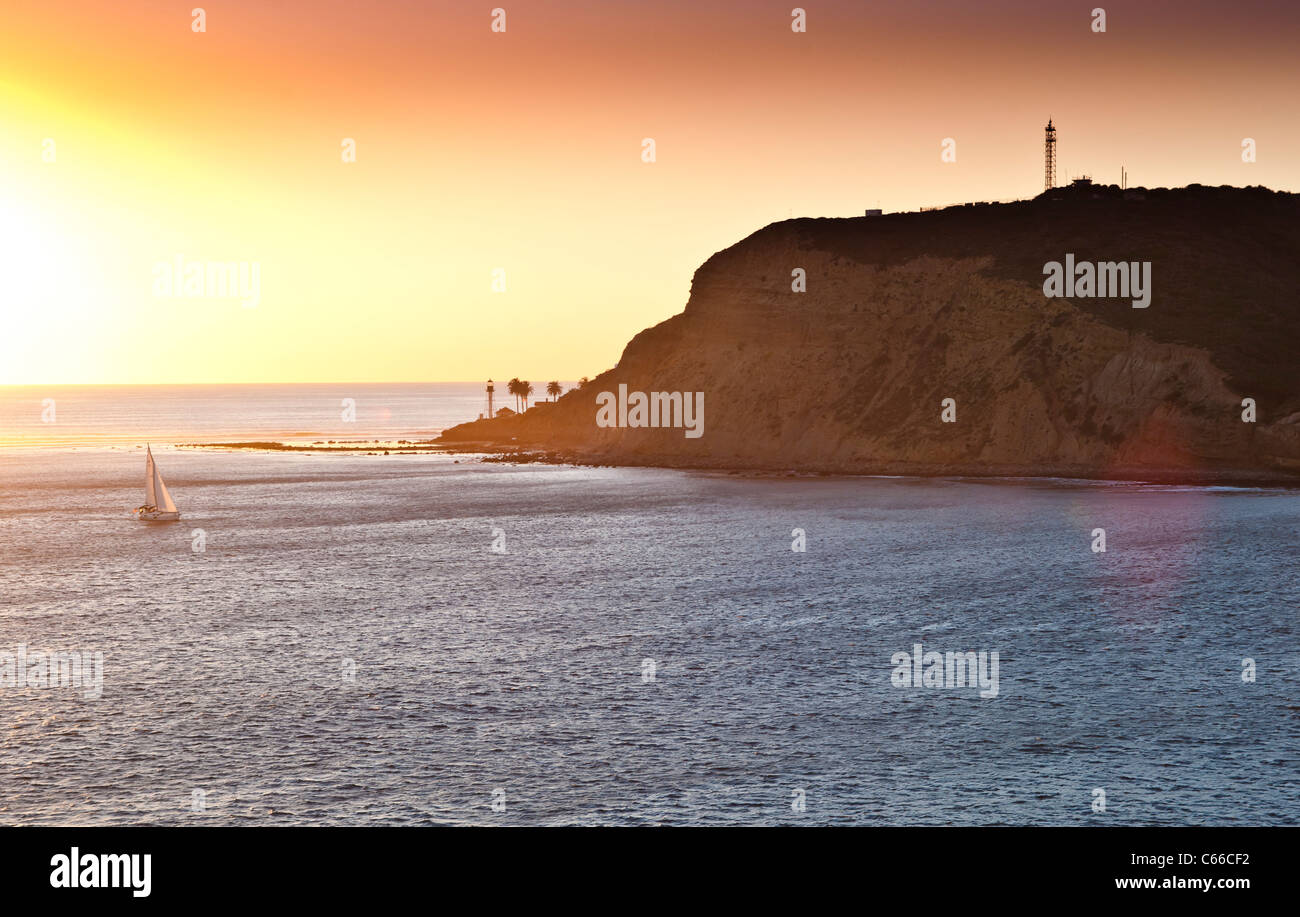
(478, 150)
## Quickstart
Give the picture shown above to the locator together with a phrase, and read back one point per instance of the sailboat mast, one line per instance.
(150, 474)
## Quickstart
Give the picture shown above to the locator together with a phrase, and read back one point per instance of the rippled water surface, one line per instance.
(225, 671)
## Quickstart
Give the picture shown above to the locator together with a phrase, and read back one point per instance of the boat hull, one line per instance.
(157, 516)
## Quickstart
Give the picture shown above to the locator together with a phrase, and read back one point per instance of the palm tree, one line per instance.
(526, 389)
(515, 387)
(554, 389)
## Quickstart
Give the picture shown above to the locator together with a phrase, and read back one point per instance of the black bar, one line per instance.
(292, 866)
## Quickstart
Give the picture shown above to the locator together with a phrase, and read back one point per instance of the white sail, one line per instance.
(150, 472)
(155, 491)
(164, 498)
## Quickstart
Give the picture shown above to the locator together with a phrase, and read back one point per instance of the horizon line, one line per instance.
(4, 385)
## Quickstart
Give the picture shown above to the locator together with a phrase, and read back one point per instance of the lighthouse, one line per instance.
(490, 389)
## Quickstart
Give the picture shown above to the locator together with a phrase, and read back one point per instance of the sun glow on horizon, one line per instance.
(521, 151)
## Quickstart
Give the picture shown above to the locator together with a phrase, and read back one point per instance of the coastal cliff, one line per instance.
(905, 310)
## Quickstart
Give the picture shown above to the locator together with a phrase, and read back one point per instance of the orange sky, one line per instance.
(521, 150)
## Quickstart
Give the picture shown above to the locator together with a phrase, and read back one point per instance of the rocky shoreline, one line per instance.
(1224, 478)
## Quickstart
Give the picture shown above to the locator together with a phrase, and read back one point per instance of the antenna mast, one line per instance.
(1049, 158)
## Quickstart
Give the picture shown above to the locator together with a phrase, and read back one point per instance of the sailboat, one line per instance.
(158, 505)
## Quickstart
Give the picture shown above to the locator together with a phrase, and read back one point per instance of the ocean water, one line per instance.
(70, 415)
(347, 648)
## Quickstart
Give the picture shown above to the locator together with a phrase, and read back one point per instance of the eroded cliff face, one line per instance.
(904, 311)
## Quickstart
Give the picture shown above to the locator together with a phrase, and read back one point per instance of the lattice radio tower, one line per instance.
(1049, 158)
